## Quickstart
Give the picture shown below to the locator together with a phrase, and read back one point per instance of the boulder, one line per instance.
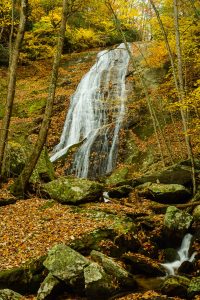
(175, 286)
(119, 236)
(24, 279)
(118, 177)
(66, 264)
(7, 294)
(44, 170)
(177, 174)
(141, 264)
(124, 278)
(170, 255)
(176, 220)
(194, 287)
(16, 157)
(73, 190)
(48, 287)
(98, 284)
(120, 191)
(164, 193)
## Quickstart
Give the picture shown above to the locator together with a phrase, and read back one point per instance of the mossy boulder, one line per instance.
(44, 170)
(175, 286)
(164, 193)
(141, 264)
(176, 220)
(120, 191)
(26, 278)
(48, 287)
(7, 294)
(194, 287)
(98, 284)
(124, 278)
(66, 264)
(119, 236)
(118, 177)
(73, 190)
(16, 158)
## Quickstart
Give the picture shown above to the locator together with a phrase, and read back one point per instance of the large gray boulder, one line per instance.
(98, 284)
(66, 264)
(47, 287)
(73, 190)
(7, 294)
(124, 278)
(176, 220)
(164, 193)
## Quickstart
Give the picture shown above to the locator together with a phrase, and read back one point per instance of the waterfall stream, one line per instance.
(183, 254)
(96, 113)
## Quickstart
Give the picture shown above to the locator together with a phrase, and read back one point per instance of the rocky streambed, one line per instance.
(129, 233)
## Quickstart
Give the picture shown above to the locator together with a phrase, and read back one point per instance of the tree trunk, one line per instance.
(20, 184)
(12, 81)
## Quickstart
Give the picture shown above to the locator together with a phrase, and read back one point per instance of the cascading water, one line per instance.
(183, 254)
(96, 113)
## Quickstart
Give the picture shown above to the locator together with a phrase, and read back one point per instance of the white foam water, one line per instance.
(183, 254)
(96, 113)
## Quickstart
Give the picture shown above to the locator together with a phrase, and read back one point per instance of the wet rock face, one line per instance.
(73, 190)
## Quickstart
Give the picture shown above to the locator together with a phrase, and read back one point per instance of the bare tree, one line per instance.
(12, 80)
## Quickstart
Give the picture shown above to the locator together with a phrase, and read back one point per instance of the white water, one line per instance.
(183, 254)
(96, 113)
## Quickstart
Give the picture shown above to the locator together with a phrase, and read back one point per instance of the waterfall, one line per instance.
(96, 113)
(183, 254)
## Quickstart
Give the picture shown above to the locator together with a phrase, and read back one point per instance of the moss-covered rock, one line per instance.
(16, 158)
(26, 278)
(194, 287)
(98, 284)
(175, 286)
(118, 177)
(48, 287)
(177, 220)
(141, 264)
(124, 278)
(73, 190)
(44, 170)
(164, 193)
(66, 264)
(7, 294)
(120, 191)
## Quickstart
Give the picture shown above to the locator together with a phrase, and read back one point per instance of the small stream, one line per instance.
(183, 254)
